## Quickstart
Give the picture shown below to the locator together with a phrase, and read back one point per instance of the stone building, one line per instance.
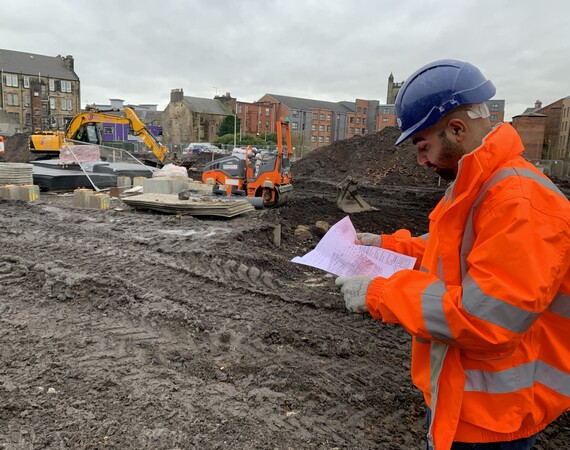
(38, 92)
(193, 119)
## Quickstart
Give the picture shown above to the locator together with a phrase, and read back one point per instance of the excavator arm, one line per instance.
(82, 128)
(159, 150)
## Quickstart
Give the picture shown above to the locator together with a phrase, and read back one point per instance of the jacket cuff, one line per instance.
(375, 300)
(389, 241)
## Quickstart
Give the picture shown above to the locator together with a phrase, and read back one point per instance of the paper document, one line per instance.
(337, 253)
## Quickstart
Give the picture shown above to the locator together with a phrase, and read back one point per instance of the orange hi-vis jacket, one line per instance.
(488, 304)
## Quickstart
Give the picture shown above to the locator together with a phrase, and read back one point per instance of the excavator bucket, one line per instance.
(348, 199)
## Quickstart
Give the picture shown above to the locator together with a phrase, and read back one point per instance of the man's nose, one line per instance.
(422, 158)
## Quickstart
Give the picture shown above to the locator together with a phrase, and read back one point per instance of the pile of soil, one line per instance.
(372, 158)
(17, 148)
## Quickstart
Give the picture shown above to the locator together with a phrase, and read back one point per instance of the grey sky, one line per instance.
(327, 50)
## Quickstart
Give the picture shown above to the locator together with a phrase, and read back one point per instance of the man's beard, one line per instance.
(450, 153)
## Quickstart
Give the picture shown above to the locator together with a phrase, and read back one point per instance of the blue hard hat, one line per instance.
(434, 90)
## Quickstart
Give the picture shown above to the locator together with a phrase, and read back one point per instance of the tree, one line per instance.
(228, 125)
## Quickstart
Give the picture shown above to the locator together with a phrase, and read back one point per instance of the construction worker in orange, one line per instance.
(488, 302)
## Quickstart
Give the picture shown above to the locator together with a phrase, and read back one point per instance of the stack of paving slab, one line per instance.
(194, 206)
(16, 182)
(16, 173)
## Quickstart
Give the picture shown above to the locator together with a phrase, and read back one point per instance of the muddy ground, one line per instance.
(127, 329)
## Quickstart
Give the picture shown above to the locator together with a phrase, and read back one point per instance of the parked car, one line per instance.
(199, 147)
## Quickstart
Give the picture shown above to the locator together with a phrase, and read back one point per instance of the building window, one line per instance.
(294, 125)
(359, 110)
(26, 100)
(52, 103)
(357, 131)
(321, 139)
(321, 128)
(65, 86)
(364, 111)
(266, 111)
(11, 80)
(315, 116)
(313, 138)
(329, 117)
(351, 130)
(364, 120)
(66, 104)
(493, 117)
(13, 99)
(295, 114)
(351, 120)
(328, 128)
(28, 120)
(328, 139)
(52, 85)
(384, 119)
(314, 127)
(358, 120)
(239, 109)
(26, 81)
(323, 117)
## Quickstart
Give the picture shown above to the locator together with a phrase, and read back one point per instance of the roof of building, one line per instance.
(207, 106)
(308, 104)
(31, 64)
(529, 112)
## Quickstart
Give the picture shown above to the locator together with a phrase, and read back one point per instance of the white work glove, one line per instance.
(354, 289)
(373, 240)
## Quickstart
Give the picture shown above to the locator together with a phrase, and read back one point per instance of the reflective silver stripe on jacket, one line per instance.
(469, 235)
(432, 311)
(560, 305)
(493, 310)
(516, 378)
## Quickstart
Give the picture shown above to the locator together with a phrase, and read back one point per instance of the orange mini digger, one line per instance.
(263, 177)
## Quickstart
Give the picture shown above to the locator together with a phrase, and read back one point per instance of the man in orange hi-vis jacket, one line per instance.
(488, 303)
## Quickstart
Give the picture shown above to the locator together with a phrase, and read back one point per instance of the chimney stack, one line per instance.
(68, 62)
(176, 95)
(537, 104)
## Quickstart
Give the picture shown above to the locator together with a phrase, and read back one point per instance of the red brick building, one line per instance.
(531, 127)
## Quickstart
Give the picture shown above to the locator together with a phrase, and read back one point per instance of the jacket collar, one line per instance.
(500, 145)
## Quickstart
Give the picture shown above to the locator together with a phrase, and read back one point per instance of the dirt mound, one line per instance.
(371, 159)
(17, 148)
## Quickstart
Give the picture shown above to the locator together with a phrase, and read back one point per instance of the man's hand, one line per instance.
(354, 289)
(373, 240)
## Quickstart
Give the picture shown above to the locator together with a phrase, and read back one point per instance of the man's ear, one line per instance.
(458, 128)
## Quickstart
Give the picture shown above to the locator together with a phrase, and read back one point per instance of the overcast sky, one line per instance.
(330, 50)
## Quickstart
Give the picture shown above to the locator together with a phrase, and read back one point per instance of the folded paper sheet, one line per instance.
(338, 254)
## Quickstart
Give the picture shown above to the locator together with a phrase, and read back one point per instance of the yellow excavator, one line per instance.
(83, 127)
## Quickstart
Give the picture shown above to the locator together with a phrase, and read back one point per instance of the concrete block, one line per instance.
(138, 181)
(81, 196)
(124, 182)
(28, 193)
(161, 185)
(99, 201)
(9, 192)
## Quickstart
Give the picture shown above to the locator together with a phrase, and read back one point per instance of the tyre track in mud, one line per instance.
(149, 340)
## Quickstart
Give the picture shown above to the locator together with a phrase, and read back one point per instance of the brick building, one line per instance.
(256, 118)
(194, 119)
(38, 92)
(545, 129)
(531, 126)
(564, 139)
